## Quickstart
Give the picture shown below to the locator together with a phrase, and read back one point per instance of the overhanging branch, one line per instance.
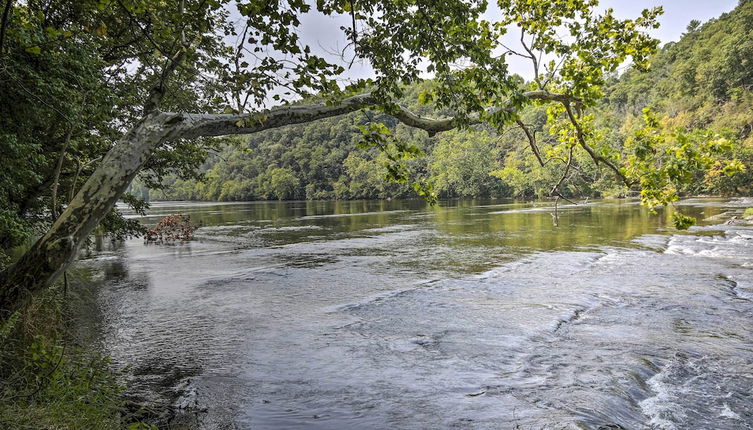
(209, 125)
(532, 142)
(582, 141)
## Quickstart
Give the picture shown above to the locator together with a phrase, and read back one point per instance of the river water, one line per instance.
(473, 314)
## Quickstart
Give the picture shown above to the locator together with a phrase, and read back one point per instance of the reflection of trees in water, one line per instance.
(457, 231)
(460, 222)
(115, 270)
(529, 225)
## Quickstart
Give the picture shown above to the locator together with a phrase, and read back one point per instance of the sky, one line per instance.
(677, 13)
(324, 36)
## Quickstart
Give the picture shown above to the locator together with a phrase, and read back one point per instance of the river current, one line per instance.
(472, 314)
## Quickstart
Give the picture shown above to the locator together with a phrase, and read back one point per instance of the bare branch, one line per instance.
(553, 72)
(532, 56)
(236, 60)
(556, 187)
(531, 141)
(512, 51)
(353, 23)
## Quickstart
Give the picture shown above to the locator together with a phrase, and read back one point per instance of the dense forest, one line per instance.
(700, 84)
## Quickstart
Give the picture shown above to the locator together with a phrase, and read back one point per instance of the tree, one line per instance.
(166, 67)
(462, 163)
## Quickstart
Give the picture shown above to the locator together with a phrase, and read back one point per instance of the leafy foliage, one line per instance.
(76, 75)
(662, 163)
(691, 142)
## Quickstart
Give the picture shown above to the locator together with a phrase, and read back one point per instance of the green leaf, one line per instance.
(682, 222)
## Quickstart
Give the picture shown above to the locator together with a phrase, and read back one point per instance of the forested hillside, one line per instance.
(701, 84)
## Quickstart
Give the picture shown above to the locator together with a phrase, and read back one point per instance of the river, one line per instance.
(472, 314)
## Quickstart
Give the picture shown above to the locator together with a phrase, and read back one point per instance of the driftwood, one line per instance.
(170, 229)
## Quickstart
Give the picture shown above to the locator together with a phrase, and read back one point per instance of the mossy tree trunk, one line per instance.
(46, 260)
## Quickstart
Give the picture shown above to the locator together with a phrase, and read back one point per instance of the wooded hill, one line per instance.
(702, 82)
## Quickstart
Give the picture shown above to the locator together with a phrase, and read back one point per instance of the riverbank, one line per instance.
(51, 380)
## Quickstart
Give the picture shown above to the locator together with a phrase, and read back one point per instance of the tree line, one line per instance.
(700, 85)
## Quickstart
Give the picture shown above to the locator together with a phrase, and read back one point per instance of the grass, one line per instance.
(48, 383)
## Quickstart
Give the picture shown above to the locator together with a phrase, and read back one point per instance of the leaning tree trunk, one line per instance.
(46, 260)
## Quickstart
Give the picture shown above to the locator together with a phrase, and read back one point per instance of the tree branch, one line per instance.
(531, 141)
(157, 92)
(582, 141)
(208, 125)
(48, 258)
(556, 187)
(532, 57)
(353, 23)
(56, 175)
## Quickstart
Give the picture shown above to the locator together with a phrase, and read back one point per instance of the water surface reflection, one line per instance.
(473, 314)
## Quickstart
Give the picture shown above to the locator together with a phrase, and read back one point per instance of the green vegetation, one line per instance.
(692, 106)
(166, 80)
(701, 90)
(46, 381)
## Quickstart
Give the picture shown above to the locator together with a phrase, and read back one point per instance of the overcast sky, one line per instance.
(323, 33)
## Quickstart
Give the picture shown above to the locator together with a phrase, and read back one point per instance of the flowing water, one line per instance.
(474, 314)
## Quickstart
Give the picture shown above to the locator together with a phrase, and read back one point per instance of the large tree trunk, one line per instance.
(48, 258)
